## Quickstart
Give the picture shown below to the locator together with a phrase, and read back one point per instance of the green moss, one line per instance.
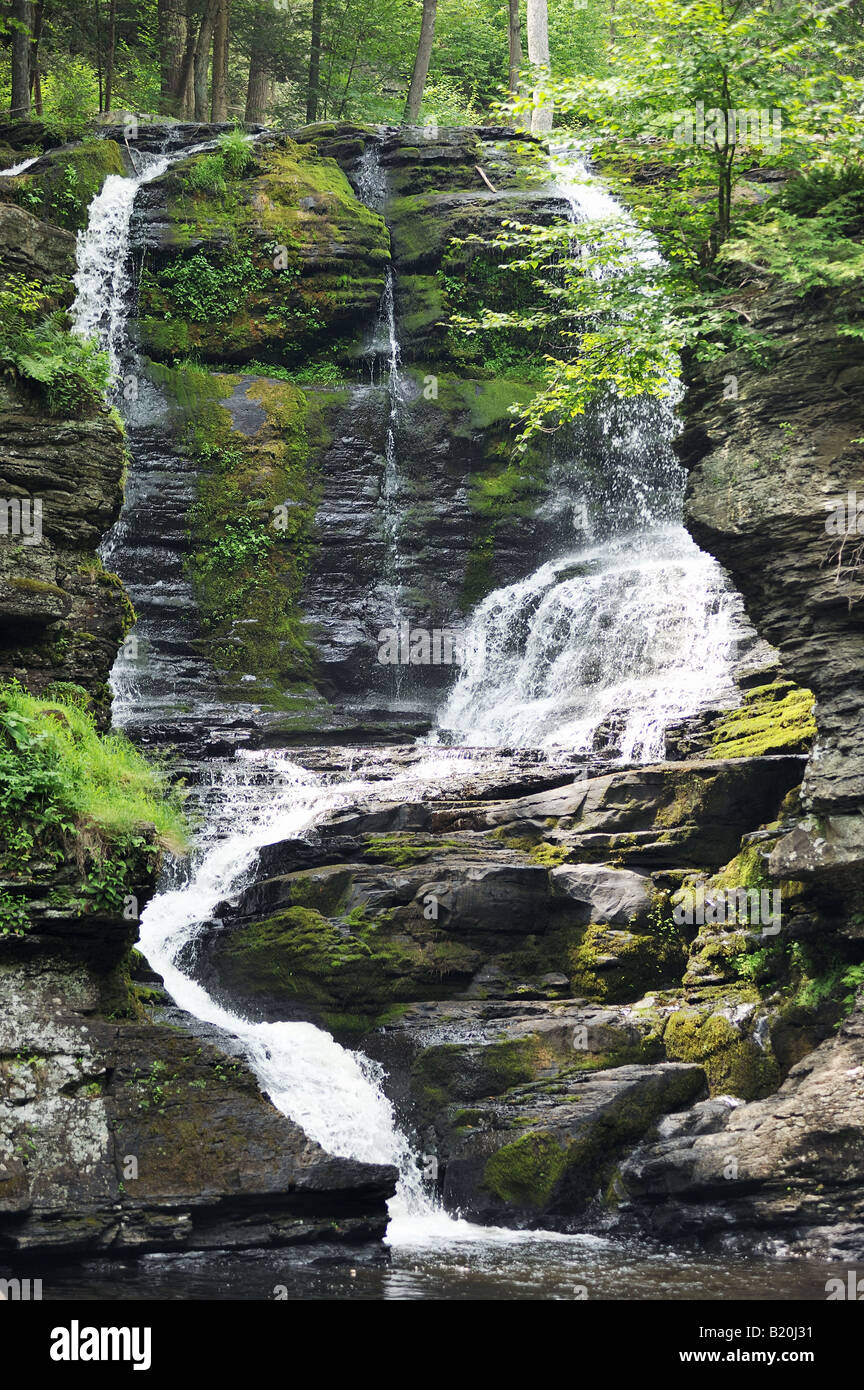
(62, 193)
(733, 1061)
(617, 966)
(452, 1070)
(252, 526)
(358, 967)
(526, 1172)
(776, 718)
(238, 284)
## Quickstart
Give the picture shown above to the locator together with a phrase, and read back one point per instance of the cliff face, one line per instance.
(61, 616)
(769, 467)
(121, 1134)
(121, 1130)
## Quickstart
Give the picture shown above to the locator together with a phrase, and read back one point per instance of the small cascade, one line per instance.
(15, 169)
(390, 489)
(632, 628)
(386, 359)
(102, 280)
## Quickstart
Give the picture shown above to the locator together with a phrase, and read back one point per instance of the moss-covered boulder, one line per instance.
(60, 187)
(538, 1157)
(261, 262)
(775, 718)
(616, 965)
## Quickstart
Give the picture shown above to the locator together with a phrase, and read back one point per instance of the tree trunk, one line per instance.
(538, 57)
(258, 88)
(219, 104)
(201, 61)
(172, 41)
(109, 53)
(19, 102)
(314, 63)
(515, 47)
(421, 64)
(35, 78)
(185, 99)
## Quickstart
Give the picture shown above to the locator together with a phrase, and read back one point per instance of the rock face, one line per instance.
(121, 1135)
(264, 267)
(781, 1174)
(61, 615)
(519, 966)
(768, 473)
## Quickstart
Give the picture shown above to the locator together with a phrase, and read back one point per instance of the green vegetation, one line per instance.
(70, 375)
(64, 787)
(252, 523)
(63, 190)
(776, 718)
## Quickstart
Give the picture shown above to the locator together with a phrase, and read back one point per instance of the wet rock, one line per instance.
(121, 1136)
(777, 462)
(779, 1174)
(543, 1153)
(618, 896)
(62, 616)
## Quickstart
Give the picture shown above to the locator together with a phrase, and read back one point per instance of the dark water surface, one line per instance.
(571, 1269)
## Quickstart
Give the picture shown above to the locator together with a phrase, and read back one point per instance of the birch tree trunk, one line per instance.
(538, 56)
(421, 64)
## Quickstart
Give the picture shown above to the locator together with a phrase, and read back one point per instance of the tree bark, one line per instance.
(258, 87)
(538, 56)
(35, 77)
(172, 39)
(421, 64)
(515, 47)
(221, 24)
(314, 63)
(201, 61)
(19, 102)
(109, 53)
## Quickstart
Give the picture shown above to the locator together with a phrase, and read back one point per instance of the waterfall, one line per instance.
(261, 798)
(102, 281)
(15, 169)
(630, 629)
(370, 185)
(390, 489)
(335, 1094)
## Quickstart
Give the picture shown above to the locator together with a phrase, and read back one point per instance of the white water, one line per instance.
(609, 642)
(635, 632)
(335, 1094)
(15, 169)
(102, 280)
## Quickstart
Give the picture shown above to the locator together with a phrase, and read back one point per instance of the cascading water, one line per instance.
(335, 1094)
(15, 169)
(625, 632)
(257, 799)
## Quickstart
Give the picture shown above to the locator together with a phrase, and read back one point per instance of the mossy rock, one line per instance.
(618, 966)
(775, 718)
(734, 1061)
(277, 260)
(68, 180)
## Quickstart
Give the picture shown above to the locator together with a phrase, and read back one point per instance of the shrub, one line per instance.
(70, 373)
(70, 98)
